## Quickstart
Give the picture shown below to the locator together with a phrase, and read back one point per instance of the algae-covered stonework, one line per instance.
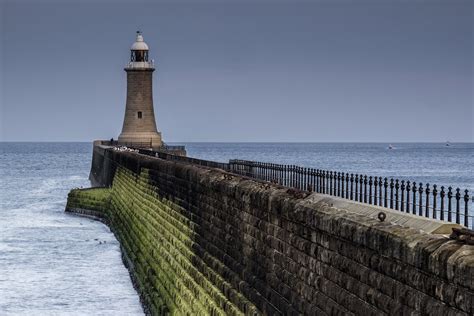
(204, 242)
(158, 240)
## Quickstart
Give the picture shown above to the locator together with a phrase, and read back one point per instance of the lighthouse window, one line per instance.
(139, 115)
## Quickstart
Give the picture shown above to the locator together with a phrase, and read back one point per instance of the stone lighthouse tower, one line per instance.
(139, 126)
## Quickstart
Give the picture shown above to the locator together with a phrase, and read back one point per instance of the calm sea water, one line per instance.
(52, 263)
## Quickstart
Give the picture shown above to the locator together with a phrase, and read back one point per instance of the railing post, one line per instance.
(458, 206)
(316, 180)
(385, 185)
(347, 185)
(466, 211)
(282, 173)
(376, 185)
(290, 175)
(397, 186)
(311, 179)
(308, 177)
(352, 186)
(441, 195)
(402, 188)
(330, 183)
(365, 189)
(270, 172)
(380, 191)
(326, 182)
(361, 193)
(408, 197)
(414, 198)
(276, 173)
(305, 178)
(295, 178)
(450, 195)
(295, 171)
(420, 198)
(356, 187)
(338, 184)
(427, 204)
(267, 171)
(435, 193)
(391, 193)
(300, 178)
(370, 189)
(342, 184)
(323, 181)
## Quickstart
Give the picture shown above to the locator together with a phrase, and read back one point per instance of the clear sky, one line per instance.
(236, 71)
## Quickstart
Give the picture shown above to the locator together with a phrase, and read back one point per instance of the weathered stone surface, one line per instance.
(202, 241)
(139, 125)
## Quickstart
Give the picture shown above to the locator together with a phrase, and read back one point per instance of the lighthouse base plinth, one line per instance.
(141, 140)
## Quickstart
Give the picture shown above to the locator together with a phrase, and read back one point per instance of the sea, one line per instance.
(53, 263)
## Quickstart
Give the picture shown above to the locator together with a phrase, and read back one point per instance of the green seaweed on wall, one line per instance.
(158, 239)
(96, 199)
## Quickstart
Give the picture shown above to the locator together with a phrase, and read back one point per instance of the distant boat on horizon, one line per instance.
(391, 147)
(447, 144)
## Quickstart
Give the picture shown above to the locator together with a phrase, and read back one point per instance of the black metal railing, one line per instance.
(426, 200)
(127, 144)
(195, 161)
(438, 202)
(166, 147)
(136, 145)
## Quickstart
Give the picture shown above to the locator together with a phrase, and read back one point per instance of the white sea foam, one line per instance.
(50, 261)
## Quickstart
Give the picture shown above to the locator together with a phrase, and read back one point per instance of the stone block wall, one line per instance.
(202, 241)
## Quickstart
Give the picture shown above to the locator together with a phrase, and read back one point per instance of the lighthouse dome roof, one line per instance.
(139, 43)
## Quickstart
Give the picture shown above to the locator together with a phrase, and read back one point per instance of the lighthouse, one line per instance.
(139, 125)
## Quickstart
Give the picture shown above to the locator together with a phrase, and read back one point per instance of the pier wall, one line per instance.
(203, 241)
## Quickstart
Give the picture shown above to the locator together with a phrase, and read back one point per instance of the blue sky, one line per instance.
(317, 71)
